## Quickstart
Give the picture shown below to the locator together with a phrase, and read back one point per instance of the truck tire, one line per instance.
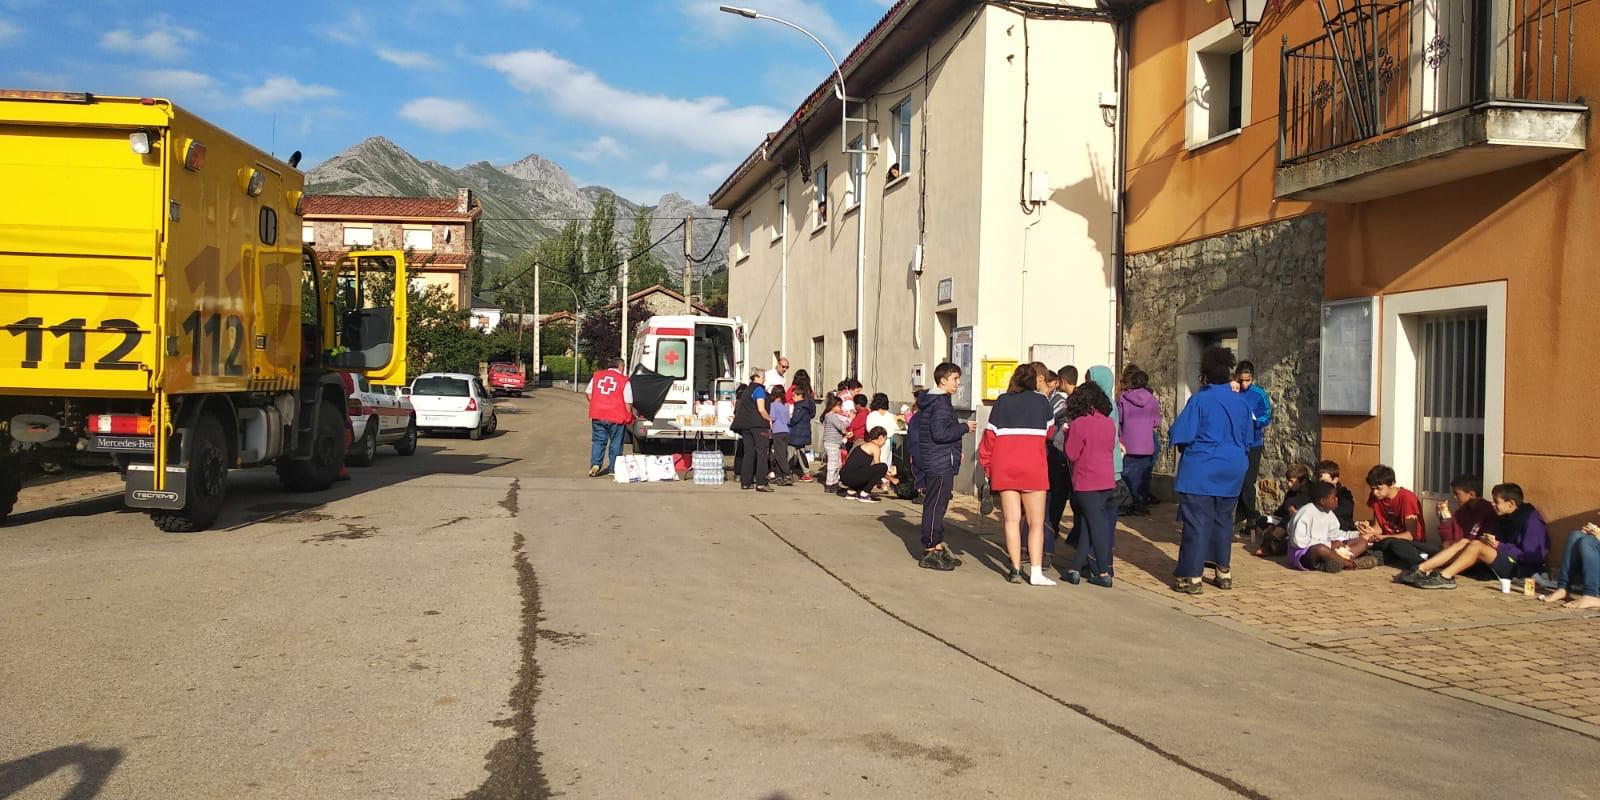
(207, 482)
(367, 449)
(407, 446)
(328, 450)
(10, 487)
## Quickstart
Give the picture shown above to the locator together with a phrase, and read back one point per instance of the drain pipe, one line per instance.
(1119, 240)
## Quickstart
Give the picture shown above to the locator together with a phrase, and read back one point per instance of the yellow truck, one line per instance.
(157, 306)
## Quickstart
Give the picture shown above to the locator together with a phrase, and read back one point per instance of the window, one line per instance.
(672, 358)
(744, 236)
(900, 138)
(1451, 379)
(1219, 84)
(819, 351)
(819, 182)
(782, 227)
(858, 174)
(417, 238)
(850, 364)
(358, 236)
(308, 233)
(267, 226)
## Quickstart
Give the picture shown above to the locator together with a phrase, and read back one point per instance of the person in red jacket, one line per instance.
(610, 410)
(1012, 454)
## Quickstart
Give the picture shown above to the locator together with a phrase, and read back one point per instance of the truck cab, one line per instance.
(704, 357)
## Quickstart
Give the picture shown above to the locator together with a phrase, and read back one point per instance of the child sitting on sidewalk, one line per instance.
(1269, 535)
(1316, 541)
(1397, 529)
(1582, 561)
(1328, 472)
(1473, 514)
(1516, 548)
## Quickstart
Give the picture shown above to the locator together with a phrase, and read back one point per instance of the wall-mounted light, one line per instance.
(1246, 15)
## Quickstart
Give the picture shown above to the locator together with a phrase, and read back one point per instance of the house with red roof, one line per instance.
(436, 231)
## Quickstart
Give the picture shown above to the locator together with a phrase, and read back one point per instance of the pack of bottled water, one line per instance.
(708, 468)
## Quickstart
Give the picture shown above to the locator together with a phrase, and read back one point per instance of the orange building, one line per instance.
(1389, 208)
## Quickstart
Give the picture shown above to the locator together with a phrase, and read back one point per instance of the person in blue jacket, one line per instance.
(1255, 397)
(1213, 433)
(938, 459)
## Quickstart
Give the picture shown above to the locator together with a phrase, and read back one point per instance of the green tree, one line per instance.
(440, 337)
(645, 269)
(601, 257)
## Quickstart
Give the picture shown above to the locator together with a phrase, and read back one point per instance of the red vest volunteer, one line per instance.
(610, 395)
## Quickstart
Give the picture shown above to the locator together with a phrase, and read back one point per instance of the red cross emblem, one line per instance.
(672, 357)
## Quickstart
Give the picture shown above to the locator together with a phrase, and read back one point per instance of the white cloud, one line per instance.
(602, 149)
(175, 82)
(710, 21)
(165, 41)
(351, 30)
(658, 172)
(278, 90)
(707, 124)
(406, 58)
(442, 115)
(8, 31)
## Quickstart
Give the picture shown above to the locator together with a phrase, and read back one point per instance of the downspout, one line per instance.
(783, 245)
(1119, 242)
(861, 246)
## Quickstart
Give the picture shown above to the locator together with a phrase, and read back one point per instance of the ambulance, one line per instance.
(706, 360)
(157, 306)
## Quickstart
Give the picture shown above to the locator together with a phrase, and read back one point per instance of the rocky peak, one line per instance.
(538, 169)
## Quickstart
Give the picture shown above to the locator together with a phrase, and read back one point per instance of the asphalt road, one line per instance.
(482, 621)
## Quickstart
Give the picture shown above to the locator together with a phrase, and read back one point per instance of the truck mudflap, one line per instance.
(139, 491)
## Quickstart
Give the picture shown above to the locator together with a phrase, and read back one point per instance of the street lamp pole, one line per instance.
(577, 331)
(844, 143)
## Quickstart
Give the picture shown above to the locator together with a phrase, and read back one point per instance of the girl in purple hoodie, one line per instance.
(1141, 419)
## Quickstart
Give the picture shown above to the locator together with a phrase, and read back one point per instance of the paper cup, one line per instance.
(1505, 585)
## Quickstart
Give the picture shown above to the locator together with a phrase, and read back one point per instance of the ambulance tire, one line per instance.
(328, 450)
(207, 478)
(10, 487)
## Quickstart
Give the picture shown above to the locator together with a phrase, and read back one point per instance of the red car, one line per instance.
(507, 378)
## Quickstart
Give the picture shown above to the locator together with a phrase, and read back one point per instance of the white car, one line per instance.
(379, 415)
(454, 401)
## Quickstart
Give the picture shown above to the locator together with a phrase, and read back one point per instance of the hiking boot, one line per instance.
(594, 471)
(1435, 580)
(1366, 562)
(1187, 585)
(1332, 566)
(932, 560)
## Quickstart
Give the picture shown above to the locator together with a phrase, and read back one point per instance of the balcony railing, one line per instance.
(1384, 67)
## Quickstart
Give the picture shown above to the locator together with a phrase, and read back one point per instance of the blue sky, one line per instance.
(644, 96)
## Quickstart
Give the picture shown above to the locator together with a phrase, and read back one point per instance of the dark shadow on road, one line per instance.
(94, 767)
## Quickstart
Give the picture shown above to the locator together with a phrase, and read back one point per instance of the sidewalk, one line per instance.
(1505, 651)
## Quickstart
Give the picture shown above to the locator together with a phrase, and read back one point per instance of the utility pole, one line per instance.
(538, 354)
(624, 304)
(688, 264)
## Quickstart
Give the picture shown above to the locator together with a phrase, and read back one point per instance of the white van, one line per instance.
(705, 358)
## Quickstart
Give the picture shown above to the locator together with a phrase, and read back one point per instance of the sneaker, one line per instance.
(1332, 566)
(948, 557)
(868, 497)
(1013, 576)
(1099, 580)
(764, 488)
(932, 560)
(1187, 585)
(807, 479)
(1377, 558)
(1411, 577)
(1072, 577)
(1223, 580)
(1367, 562)
(594, 471)
(1436, 580)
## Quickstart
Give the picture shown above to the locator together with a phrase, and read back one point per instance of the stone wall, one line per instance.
(1267, 281)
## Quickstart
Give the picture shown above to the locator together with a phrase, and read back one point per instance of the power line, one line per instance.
(513, 279)
(721, 230)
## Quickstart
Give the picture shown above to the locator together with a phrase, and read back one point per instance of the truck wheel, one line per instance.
(328, 450)
(207, 482)
(407, 446)
(10, 486)
(366, 449)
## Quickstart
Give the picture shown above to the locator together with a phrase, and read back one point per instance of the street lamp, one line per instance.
(1246, 15)
(845, 147)
(577, 332)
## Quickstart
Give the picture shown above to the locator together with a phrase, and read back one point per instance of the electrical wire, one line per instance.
(584, 273)
(720, 231)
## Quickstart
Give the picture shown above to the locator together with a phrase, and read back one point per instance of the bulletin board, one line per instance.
(961, 356)
(1349, 330)
(997, 377)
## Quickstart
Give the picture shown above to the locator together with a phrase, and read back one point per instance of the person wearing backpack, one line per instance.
(754, 426)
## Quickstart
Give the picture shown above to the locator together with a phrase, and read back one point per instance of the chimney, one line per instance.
(463, 200)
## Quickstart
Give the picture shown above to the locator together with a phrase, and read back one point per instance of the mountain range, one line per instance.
(522, 202)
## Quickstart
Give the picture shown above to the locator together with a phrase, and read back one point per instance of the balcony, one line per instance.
(1400, 96)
